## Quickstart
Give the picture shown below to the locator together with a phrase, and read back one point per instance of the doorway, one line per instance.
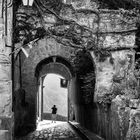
(53, 92)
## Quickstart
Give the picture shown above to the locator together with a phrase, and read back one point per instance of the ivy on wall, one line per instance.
(45, 20)
(32, 24)
(85, 70)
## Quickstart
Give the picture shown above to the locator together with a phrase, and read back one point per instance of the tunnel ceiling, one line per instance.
(60, 66)
(56, 68)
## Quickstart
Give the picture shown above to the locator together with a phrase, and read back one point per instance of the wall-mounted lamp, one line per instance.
(27, 2)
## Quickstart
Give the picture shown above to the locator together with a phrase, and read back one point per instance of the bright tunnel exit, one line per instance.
(55, 93)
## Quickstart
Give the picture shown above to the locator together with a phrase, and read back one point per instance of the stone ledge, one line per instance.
(88, 135)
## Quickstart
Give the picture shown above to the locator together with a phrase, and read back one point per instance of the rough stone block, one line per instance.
(5, 72)
(112, 21)
(5, 105)
(6, 87)
(7, 122)
(120, 111)
(119, 101)
(119, 40)
(2, 43)
(108, 72)
(1, 24)
(9, 27)
(5, 58)
(134, 125)
(134, 103)
(84, 4)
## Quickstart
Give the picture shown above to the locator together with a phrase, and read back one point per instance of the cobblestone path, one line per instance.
(58, 132)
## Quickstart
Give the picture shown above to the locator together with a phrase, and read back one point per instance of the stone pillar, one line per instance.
(6, 115)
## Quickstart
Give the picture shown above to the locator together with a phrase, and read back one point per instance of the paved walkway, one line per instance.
(53, 131)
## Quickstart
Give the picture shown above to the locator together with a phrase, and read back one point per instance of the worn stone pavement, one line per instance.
(53, 131)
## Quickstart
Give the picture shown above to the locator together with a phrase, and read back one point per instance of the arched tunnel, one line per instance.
(55, 65)
(76, 95)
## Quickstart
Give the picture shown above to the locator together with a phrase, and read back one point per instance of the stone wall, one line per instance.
(116, 85)
(43, 49)
(6, 114)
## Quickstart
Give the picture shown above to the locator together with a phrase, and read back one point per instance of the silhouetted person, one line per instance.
(54, 111)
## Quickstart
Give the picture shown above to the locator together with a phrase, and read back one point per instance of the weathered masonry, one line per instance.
(93, 44)
(6, 29)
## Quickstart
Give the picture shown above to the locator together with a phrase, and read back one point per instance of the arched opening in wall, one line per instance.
(86, 109)
(55, 92)
(81, 82)
(56, 81)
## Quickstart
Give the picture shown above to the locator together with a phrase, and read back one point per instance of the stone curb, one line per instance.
(86, 135)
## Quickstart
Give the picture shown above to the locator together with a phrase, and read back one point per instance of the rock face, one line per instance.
(116, 98)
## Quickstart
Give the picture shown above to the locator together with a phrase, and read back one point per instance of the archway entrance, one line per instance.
(55, 92)
(55, 80)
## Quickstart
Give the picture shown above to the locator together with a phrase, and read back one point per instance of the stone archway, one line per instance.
(59, 66)
(42, 56)
(43, 51)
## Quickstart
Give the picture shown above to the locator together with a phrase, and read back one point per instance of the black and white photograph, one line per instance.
(69, 69)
